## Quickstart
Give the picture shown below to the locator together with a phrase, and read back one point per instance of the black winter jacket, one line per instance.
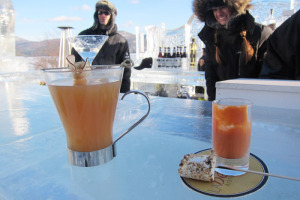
(114, 51)
(283, 54)
(229, 44)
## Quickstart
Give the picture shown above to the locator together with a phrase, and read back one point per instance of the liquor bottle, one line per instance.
(193, 54)
(160, 55)
(271, 22)
(164, 58)
(168, 58)
(165, 52)
(169, 52)
(174, 52)
(174, 60)
(184, 52)
(178, 56)
(159, 58)
(184, 60)
(201, 65)
(178, 52)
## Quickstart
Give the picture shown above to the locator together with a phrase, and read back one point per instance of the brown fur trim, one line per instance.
(199, 7)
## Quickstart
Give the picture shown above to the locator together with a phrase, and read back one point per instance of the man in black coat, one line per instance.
(116, 48)
(283, 53)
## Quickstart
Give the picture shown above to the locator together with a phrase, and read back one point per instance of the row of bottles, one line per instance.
(175, 59)
(179, 58)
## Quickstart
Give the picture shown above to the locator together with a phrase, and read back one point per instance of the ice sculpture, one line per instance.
(7, 29)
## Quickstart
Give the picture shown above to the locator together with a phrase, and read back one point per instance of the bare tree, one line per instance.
(50, 50)
(46, 62)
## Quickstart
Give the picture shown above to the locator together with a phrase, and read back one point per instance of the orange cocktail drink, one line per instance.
(231, 130)
(86, 102)
(87, 113)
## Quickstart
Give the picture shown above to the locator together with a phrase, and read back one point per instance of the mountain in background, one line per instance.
(35, 49)
(51, 47)
(131, 40)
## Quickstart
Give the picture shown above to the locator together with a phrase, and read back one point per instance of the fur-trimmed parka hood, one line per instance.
(203, 8)
(105, 5)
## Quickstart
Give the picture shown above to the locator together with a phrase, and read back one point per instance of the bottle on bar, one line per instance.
(174, 60)
(178, 52)
(178, 56)
(159, 58)
(193, 54)
(163, 59)
(184, 60)
(168, 58)
(184, 52)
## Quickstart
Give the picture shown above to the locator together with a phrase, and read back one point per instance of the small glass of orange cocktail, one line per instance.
(231, 133)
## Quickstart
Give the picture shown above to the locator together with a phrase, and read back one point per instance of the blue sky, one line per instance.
(38, 20)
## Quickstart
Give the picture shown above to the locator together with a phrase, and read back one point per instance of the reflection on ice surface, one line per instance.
(17, 121)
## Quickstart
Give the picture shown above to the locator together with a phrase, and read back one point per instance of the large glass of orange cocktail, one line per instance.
(86, 107)
(231, 133)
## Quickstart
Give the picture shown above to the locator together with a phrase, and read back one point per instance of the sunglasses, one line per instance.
(103, 12)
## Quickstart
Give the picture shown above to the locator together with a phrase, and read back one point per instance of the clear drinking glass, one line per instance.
(231, 133)
(87, 46)
(86, 102)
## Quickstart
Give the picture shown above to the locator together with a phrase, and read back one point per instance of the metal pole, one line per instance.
(64, 48)
(292, 5)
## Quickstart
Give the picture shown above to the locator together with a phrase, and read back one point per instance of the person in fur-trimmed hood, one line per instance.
(235, 43)
(116, 48)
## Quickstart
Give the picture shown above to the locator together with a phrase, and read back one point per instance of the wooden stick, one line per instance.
(260, 173)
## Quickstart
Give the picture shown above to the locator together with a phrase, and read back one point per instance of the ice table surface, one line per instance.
(34, 163)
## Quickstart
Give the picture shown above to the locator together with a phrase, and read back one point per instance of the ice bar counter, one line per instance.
(175, 83)
(34, 163)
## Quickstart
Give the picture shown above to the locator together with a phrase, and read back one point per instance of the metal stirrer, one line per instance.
(260, 173)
